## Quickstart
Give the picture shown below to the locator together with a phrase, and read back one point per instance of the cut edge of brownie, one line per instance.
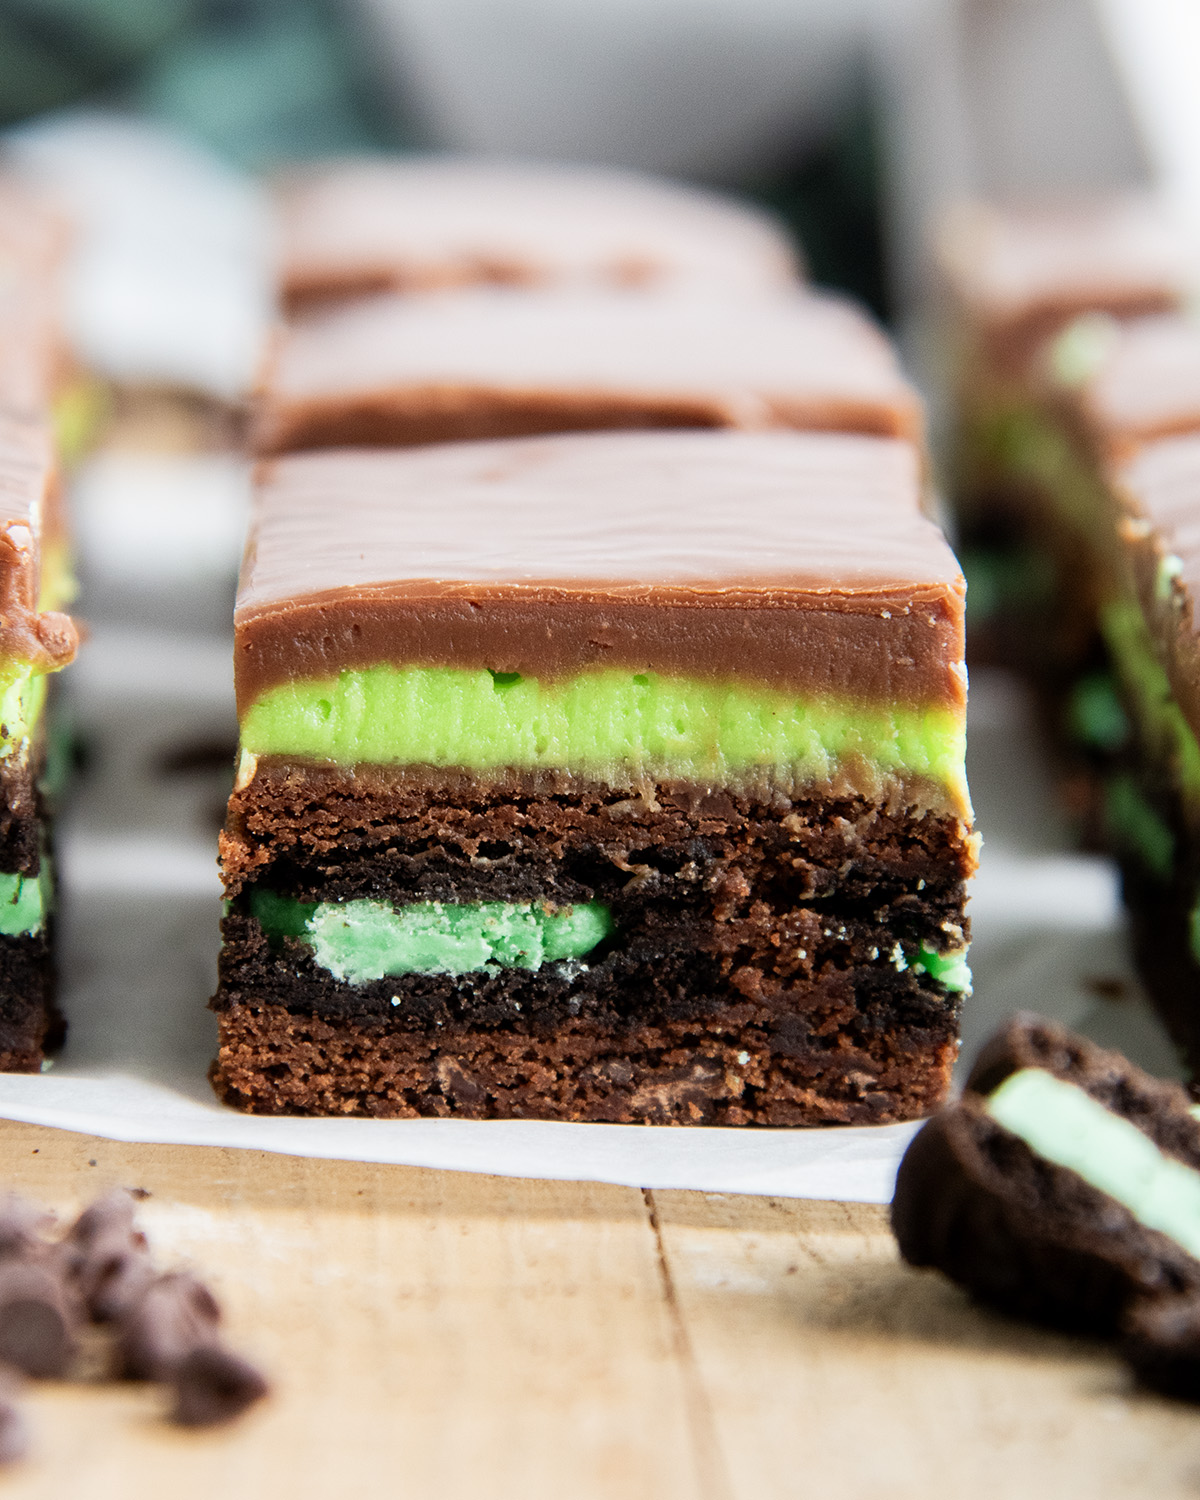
(795, 925)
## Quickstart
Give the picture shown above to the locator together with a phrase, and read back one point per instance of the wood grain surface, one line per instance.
(445, 1335)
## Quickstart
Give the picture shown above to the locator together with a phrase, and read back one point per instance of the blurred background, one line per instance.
(852, 117)
(157, 122)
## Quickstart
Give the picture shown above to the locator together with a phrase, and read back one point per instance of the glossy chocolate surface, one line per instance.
(491, 362)
(1146, 384)
(1020, 272)
(794, 560)
(363, 226)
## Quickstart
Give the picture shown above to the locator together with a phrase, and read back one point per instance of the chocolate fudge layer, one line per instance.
(366, 226)
(490, 362)
(36, 639)
(597, 777)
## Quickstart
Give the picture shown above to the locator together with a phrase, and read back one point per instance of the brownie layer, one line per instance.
(31, 1024)
(790, 934)
(736, 1066)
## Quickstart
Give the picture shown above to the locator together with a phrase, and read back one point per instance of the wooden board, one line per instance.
(443, 1335)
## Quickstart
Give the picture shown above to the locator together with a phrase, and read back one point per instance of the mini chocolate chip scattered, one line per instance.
(212, 1384)
(39, 1318)
(14, 1434)
(22, 1226)
(174, 1315)
(164, 1324)
(110, 1257)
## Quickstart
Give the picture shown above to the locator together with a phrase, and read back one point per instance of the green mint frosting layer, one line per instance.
(24, 901)
(22, 697)
(1162, 727)
(357, 941)
(1067, 1126)
(599, 723)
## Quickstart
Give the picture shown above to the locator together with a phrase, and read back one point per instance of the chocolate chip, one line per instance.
(39, 1319)
(174, 1315)
(108, 1257)
(22, 1225)
(1161, 1341)
(14, 1434)
(212, 1384)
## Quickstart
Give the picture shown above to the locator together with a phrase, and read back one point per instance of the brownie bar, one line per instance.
(1154, 786)
(1014, 279)
(357, 227)
(490, 362)
(36, 639)
(646, 805)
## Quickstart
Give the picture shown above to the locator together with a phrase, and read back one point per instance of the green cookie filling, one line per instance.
(357, 941)
(950, 970)
(605, 724)
(1065, 1125)
(24, 900)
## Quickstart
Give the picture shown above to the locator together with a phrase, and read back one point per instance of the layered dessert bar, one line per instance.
(613, 777)
(492, 362)
(36, 639)
(1013, 278)
(1153, 800)
(356, 227)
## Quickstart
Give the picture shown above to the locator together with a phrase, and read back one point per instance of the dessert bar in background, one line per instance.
(168, 279)
(36, 639)
(597, 777)
(1064, 1187)
(497, 362)
(357, 227)
(1108, 417)
(1013, 277)
(1152, 632)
